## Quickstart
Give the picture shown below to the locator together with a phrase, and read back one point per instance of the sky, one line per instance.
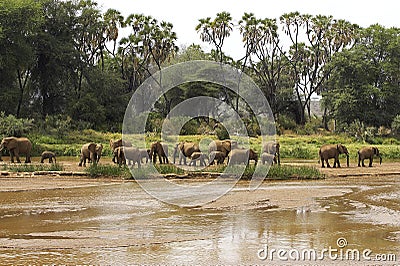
(184, 15)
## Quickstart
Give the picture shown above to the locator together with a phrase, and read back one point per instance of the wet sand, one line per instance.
(70, 220)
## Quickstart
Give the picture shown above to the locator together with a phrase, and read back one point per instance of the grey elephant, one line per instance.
(243, 156)
(218, 156)
(267, 157)
(198, 156)
(145, 154)
(368, 153)
(17, 147)
(88, 152)
(329, 151)
(273, 148)
(185, 150)
(224, 146)
(118, 143)
(131, 155)
(48, 155)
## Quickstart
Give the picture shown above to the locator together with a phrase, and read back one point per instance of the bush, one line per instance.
(396, 125)
(12, 126)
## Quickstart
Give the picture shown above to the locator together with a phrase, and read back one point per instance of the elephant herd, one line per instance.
(332, 151)
(218, 152)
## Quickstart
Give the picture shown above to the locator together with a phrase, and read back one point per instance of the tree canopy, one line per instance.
(69, 59)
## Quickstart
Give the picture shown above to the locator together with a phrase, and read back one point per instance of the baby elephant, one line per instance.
(48, 155)
(218, 156)
(368, 153)
(267, 157)
(198, 156)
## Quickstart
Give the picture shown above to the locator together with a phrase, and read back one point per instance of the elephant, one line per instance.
(88, 152)
(219, 156)
(198, 156)
(267, 157)
(161, 150)
(239, 156)
(273, 148)
(329, 151)
(99, 150)
(119, 155)
(17, 146)
(118, 143)
(185, 150)
(48, 155)
(224, 146)
(131, 155)
(368, 153)
(144, 154)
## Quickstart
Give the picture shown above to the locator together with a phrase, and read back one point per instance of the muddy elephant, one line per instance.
(198, 156)
(224, 146)
(267, 158)
(88, 152)
(118, 143)
(48, 155)
(131, 154)
(161, 150)
(17, 147)
(273, 148)
(329, 151)
(185, 150)
(218, 156)
(243, 156)
(368, 153)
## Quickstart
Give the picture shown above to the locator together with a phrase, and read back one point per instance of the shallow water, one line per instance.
(120, 224)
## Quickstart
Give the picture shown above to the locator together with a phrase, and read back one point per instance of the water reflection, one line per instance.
(120, 224)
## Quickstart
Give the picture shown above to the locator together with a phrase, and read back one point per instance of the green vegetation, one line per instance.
(33, 167)
(108, 171)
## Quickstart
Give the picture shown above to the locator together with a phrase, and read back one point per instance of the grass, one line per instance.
(32, 167)
(108, 171)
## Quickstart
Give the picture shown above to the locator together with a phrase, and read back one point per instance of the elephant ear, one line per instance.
(92, 147)
(12, 143)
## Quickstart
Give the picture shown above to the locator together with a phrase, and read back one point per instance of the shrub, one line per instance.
(396, 124)
(12, 126)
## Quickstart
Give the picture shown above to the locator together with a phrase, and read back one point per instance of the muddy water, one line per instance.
(119, 224)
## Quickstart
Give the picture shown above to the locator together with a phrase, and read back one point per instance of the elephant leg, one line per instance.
(138, 164)
(28, 159)
(338, 163)
(359, 161)
(371, 159)
(160, 158)
(322, 161)
(17, 157)
(363, 165)
(166, 159)
(327, 163)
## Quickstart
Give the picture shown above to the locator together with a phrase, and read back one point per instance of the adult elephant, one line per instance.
(131, 154)
(88, 152)
(224, 146)
(161, 150)
(329, 151)
(17, 147)
(368, 153)
(118, 143)
(272, 148)
(243, 156)
(185, 150)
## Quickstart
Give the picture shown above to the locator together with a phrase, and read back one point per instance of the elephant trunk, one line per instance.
(380, 159)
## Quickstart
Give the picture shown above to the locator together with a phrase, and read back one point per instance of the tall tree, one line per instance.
(324, 36)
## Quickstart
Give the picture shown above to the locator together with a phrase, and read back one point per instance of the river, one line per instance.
(117, 223)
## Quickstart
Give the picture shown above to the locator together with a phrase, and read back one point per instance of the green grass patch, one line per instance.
(33, 167)
(108, 171)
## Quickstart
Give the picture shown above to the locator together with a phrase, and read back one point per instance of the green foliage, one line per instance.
(33, 167)
(396, 124)
(12, 126)
(108, 171)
